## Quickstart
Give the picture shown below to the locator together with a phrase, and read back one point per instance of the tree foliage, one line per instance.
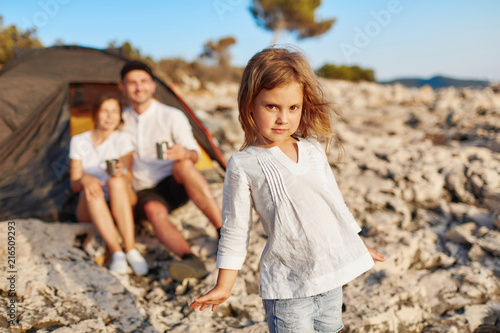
(175, 71)
(131, 52)
(12, 37)
(290, 15)
(219, 51)
(349, 73)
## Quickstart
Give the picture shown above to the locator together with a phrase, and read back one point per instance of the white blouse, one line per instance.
(313, 244)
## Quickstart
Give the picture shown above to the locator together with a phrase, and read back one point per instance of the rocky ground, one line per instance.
(422, 177)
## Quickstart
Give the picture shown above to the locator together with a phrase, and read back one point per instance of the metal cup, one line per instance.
(161, 150)
(111, 167)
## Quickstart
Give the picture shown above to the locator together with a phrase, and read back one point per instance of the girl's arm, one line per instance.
(233, 245)
(220, 293)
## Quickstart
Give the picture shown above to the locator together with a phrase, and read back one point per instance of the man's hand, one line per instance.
(178, 152)
(118, 169)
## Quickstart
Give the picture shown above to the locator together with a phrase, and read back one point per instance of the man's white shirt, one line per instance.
(158, 123)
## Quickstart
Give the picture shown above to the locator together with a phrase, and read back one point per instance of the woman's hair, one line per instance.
(100, 101)
(275, 67)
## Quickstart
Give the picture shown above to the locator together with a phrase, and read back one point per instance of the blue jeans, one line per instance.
(319, 313)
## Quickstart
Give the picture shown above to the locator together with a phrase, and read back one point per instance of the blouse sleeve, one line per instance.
(236, 217)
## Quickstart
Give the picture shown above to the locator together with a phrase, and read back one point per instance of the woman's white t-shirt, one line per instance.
(94, 158)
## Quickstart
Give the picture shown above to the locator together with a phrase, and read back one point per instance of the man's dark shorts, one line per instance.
(170, 193)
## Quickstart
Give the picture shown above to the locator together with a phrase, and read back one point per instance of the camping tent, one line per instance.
(39, 92)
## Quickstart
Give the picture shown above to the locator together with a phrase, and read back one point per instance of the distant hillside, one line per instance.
(439, 82)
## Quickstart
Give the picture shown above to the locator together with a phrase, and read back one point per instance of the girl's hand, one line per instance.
(375, 255)
(92, 187)
(214, 297)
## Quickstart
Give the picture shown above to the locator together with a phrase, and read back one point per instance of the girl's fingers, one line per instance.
(197, 302)
(377, 256)
(203, 306)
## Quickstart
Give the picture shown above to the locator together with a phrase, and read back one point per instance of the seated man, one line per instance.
(165, 184)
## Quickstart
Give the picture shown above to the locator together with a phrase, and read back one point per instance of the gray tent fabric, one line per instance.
(35, 126)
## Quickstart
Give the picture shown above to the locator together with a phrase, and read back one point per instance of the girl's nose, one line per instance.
(282, 118)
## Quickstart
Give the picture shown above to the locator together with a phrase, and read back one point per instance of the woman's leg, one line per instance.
(122, 199)
(119, 194)
(132, 196)
(82, 211)
(97, 211)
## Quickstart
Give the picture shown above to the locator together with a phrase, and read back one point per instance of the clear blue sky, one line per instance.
(396, 38)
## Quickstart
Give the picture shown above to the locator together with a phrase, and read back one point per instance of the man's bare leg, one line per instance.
(170, 236)
(198, 190)
(164, 230)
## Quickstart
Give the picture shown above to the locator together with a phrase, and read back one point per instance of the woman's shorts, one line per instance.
(319, 313)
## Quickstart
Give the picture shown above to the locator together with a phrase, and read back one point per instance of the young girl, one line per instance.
(313, 247)
(88, 154)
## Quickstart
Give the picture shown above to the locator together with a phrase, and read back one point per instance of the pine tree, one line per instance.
(219, 51)
(290, 15)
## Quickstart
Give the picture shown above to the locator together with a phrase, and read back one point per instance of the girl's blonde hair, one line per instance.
(274, 67)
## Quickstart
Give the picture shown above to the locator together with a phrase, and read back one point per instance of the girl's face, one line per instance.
(108, 118)
(277, 112)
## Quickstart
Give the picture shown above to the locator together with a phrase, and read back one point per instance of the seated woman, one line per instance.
(89, 152)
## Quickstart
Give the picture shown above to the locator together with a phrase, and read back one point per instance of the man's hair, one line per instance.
(135, 65)
(275, 67)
